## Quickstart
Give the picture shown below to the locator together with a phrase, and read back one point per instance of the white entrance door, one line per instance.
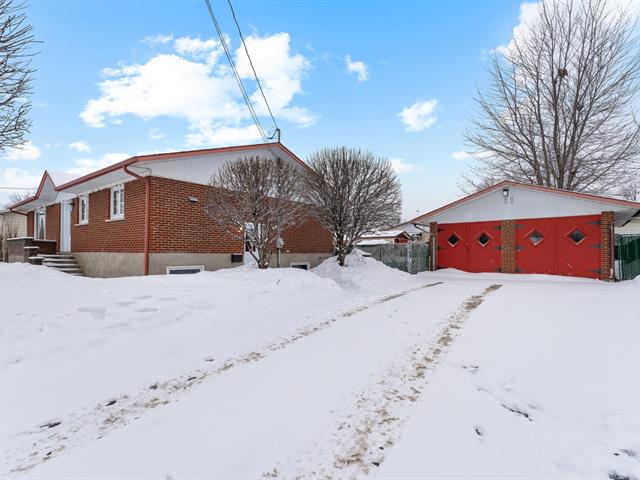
(65, 227)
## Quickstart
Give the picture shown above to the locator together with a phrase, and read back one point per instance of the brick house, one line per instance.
(145, 215)
(514, 227)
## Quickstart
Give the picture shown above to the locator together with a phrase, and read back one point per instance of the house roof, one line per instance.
(177, 155)
(55, 177)
(528, 186)
(385, 234)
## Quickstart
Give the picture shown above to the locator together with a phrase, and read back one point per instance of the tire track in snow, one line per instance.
(361, 438)
(34, 447)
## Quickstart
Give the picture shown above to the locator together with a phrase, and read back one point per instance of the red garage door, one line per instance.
(559, 246)
(472, 247)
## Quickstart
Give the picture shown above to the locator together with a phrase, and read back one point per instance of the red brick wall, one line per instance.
(606, 252)
(508, 258)
(308, 237)
(433, 246)
(30, 224)
(178, 225)
(100, 235)
(52, 219)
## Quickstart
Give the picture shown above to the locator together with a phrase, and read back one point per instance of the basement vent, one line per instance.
(237, 257)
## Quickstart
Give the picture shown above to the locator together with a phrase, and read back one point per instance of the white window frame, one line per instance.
(40, 212)
(116, 211)
(83, 199)
(300, 264)
(200, 268)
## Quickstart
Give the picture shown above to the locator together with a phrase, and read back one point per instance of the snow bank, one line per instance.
(364, 274)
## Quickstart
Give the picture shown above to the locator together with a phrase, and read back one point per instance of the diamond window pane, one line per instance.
(535, 237)
(453, 239)
(576, 235)
(484, 238)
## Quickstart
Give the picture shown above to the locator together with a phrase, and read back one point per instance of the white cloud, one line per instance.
(18, 178)
(88, 165)
(419, 116)
(461, 155)
(224, 136)
(155, 134)
(80, 146)
(530, 13)
(402, 166)
(26, 152)
(359, 68)
(195, 85)
(158, 39)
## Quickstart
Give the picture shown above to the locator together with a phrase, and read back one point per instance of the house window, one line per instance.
(453, 239)
(576, 236)
(40, 220)
(117, 202)
(83, 209)
(251, 237)
(483, 239)
(184, 270)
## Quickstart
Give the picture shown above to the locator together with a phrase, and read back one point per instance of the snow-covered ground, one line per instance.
(348, 372)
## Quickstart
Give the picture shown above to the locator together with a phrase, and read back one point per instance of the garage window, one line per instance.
(535, 237)
(483, 239)
(453, 239)
(576, 236)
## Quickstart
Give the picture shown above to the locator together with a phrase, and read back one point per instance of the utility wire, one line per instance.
(17, 188)
(235, 72)
(244, 44)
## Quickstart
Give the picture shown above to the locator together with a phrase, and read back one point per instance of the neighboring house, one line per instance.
(145, 215)
(515, 227)
(384, 237)
(12, 225)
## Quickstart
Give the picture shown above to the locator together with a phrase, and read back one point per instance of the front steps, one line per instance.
(63, 262)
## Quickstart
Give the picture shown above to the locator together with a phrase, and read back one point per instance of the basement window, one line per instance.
(453, 239)
(576, 236)
(301, 265)
(483, 239)
(185, 270)
(535, 237)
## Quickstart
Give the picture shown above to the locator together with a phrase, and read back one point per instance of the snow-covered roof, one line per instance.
(374, 241)
(60, 178)
(384, 234)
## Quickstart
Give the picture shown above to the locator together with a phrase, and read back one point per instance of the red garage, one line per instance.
(519, 228)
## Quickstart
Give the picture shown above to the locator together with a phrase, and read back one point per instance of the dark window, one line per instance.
(535, 237)
(576, 236)
(484, 238)
(453, 239)
(237, 257)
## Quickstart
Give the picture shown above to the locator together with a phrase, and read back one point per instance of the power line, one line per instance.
(17, 188)
(244, 44)
(235, 72)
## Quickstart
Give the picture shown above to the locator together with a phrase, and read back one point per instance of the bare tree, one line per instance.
(255, 199)
(15, 74)
(18, 196)
(353, 192)
(559, 111)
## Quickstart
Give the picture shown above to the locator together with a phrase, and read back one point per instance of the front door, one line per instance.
(65, 227)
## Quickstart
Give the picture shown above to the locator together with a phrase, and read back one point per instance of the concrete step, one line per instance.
(55, 256)
(69, 269)
(62, 262)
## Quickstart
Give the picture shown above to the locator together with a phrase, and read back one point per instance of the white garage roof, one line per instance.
(509, 200)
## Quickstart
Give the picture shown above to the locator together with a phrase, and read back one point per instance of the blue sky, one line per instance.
(119, 78)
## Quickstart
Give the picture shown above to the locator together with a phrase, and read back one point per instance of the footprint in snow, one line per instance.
(97, 313)
(146, 310)
(168, 299)
(124, 304)
(142, 297)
